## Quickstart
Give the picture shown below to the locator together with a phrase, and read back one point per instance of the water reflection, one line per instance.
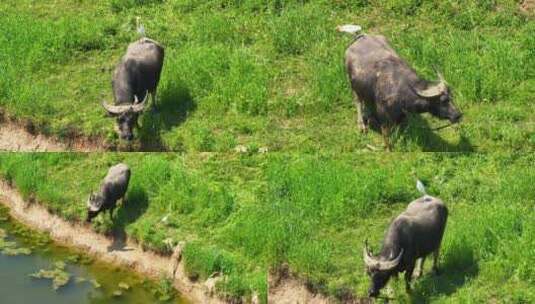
(16, 286)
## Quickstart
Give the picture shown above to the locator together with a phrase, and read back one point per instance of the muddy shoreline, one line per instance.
(14, 138)
(17, 136)
(131, 256)
(287, 290)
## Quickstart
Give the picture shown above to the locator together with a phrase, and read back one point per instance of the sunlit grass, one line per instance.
(242, 215)
(271, 66)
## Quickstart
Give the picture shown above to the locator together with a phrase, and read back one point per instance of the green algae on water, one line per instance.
(58, 275)
(124, 286)
(80, 280)
(95, 283)
(75, 258)
(10, 248)
(96, 275)
(17, 251)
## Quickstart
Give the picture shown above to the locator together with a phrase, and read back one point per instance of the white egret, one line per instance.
(420, 186)
(140, 27)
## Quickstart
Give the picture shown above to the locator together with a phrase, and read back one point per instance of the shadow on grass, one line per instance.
(175, 104)
(459, 267)
(133, 208)
(418, 131)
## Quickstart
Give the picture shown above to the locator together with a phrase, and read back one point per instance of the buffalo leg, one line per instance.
(385, 130)
(420, 270)
(408, 275)
(360, 114)
(111, 214)
(153, 97)
(435, 261)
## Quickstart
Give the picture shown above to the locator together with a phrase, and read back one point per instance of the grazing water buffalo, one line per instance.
(412, 235)
(112, 189)
(134, 78)
(386, 88)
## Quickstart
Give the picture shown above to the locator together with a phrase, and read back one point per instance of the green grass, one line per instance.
(267, 73)
(242, 215)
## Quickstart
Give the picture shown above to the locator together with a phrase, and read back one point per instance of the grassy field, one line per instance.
(267, 73)
(243, 215)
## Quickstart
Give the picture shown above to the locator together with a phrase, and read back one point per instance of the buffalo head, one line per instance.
(94, 206)
(379, 269)
(126, 116)
(440, 100)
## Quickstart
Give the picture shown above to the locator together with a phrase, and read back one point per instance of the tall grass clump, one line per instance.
(245, 88)
(209, 64)
(202, 262)
(184, 194)
(36, 48)
(26, 172)
(496, 65)
(331, 189)
(153, 174)
(296, 31)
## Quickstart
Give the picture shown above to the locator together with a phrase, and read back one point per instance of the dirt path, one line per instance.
(13, 138)
(291, 291)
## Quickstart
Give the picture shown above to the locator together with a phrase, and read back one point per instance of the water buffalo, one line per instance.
(385, 88)
(134, 78)
(412, 235)
(112, 189)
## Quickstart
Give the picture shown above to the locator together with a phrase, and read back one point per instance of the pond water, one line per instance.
(89, 281)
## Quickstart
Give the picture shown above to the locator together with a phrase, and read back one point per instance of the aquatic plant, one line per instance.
(165, 290)
(95, 283)
(10, 248)
(17, 251)
(80, 280)
(74, 258)
(124, 286)
(58, 275)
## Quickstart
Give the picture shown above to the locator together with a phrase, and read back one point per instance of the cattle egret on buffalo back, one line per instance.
(140, 27)
(349, 28)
